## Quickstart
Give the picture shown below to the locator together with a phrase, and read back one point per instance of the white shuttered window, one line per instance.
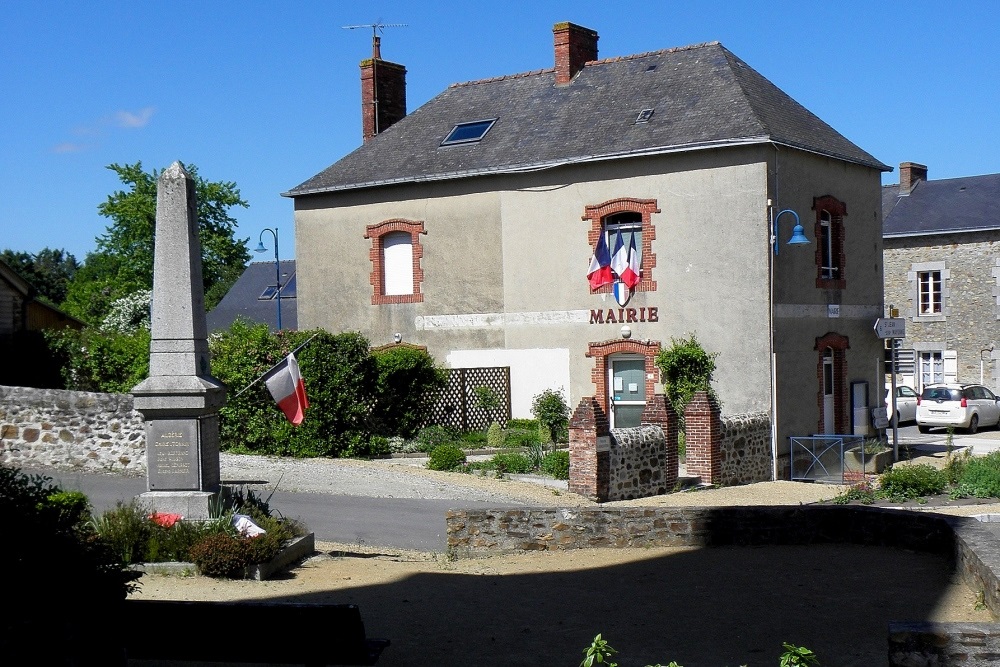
(397, 263)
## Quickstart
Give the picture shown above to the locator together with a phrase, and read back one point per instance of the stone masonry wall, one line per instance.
(70, 429)
(746, 449)
(637, 463)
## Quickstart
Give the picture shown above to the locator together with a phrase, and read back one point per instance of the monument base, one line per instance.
(192, 505)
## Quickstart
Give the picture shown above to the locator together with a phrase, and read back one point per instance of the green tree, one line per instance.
(552, 412)
(685, 367)
(49, 271)
(123, 262)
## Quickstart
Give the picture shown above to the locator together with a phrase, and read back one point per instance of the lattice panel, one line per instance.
(457, 406)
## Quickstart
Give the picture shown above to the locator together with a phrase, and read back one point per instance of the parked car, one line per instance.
(968, 406)
(906, 403)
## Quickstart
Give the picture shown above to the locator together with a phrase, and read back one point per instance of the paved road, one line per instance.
(982, 443)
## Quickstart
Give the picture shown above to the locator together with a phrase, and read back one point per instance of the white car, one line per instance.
(968, 406)
(906, 403)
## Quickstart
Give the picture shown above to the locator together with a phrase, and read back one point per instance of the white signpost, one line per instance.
(892, 328)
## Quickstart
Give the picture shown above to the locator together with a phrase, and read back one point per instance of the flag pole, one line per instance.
(274, 366)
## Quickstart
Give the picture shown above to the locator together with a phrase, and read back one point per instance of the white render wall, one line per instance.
(531, 372)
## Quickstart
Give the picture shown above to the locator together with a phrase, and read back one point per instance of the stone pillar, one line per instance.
(659, 411)
(703, 438)
(589, 455)
(179, 400)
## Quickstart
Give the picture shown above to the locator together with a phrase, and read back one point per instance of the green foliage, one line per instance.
(374, 447)
(550, 409)
(495, 436)
(94, 360)
(795, 656)
(486, 399)
(446, 457)
(685, 367)
(598, 653)
(556, 464)
(980, 477)
(430, 437)
(911, 481)
(73, 506)
(408, 382)
(51, 552)
(49, 271)
(955, 465)
(129, 313)
(511, 462)
(861, 492)
(518, 424)
(222, 555)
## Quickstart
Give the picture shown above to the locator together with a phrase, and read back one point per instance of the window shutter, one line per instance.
(950, 358)
(397, 258)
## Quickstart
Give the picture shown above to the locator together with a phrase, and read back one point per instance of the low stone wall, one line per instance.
(941, 644)
(745, 449)
(637, 463)
(70, 429)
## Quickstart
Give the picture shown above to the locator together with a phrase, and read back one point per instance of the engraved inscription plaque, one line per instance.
(172, 454)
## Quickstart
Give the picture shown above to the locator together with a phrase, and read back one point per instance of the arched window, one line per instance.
(397, 263)
(633, 217)
(397, 275)
(830, 255)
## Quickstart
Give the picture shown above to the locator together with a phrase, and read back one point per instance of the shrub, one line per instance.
(955, 466)
(495, 437)
(556, 464)
(407, 385)
(550, 409)
(981, 476)
(511, 462)
(519, 436)
(376, 446)
(685, 367)
(522, 424)
(72, 506)
(911, 481)
(472, 440)
(222, 555)
(430, 437)
(446, 457)
(105, 361)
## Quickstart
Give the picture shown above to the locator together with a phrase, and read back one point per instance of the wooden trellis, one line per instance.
(456, 405)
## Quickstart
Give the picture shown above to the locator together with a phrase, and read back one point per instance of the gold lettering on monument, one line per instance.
(172, 452)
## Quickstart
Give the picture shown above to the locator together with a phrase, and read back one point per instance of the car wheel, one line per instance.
(923, 429)
(973, 424)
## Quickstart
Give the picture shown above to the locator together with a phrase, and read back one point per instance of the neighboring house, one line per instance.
(468, 226)
(252, 298)
(942, 272)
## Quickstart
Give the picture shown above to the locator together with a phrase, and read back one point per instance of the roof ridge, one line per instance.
(493, 79)
(659, 52)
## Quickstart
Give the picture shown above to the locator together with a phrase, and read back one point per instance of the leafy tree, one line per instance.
(123, 262)
(49, 271)
(552, 412)
(685, 367)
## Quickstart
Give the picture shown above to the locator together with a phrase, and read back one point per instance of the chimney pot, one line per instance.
(574, 46)
(383, 93)
(910, 173)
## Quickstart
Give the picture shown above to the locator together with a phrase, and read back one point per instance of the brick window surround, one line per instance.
(600, 353)
(644, 207)
(838, 344)
(377, 233)
(837, 210)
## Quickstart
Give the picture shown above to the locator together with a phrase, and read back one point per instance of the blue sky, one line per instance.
(268, 94)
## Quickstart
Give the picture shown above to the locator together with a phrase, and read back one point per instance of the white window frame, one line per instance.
(628, 229)
(397, 264)
(929, 290)
(921, 276)
(828, 270)
(935, 367)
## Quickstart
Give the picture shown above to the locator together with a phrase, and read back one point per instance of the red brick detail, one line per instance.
(589, 470)
(838, 344)
(376, 233)
(837, 210)
(389, 105)
(574, 46)
(600, 353)
(660, 412)
(703, 438)
(646, 208)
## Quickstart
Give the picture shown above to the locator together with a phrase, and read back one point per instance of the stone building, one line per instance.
(469, 225)
(942, 272)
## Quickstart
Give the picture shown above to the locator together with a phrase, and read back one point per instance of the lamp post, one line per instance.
(798, 238)
(277, 266)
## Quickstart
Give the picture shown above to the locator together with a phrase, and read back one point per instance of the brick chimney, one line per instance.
(910, 173)
(383, 92)
(575, 45)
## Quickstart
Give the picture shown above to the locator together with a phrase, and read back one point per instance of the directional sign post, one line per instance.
(890, 327)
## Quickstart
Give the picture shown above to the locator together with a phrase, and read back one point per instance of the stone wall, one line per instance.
(745, 447)
(637, 463)
(70, 429)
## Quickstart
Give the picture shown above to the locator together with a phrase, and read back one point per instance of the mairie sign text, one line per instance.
(624, 315)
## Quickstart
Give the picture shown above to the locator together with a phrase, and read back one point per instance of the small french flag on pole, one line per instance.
(288, 389)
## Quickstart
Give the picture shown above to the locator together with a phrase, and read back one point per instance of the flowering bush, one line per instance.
(129, 312)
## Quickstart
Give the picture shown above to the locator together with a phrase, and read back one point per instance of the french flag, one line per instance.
(630, 273)
(619, 261)
(288, 389)
(599, 272)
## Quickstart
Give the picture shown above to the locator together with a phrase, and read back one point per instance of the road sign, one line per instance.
(890, 327)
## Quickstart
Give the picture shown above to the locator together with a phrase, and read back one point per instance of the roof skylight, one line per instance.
(467, 133)
(644, 116)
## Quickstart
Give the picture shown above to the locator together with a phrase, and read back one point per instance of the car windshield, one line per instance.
(941, 394)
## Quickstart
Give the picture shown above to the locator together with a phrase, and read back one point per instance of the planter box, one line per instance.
(871, 463)
(297, 549)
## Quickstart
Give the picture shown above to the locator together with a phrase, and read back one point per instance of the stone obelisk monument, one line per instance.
(180, 400)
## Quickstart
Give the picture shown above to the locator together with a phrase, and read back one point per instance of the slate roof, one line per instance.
(967, 204)
(703, 96)
(242, 299)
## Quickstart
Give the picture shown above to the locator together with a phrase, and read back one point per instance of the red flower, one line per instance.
(164, 519)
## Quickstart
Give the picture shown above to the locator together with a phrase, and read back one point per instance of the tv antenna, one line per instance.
(377, 28)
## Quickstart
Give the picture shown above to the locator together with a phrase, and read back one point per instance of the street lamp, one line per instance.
(277, 266)
(798, 238)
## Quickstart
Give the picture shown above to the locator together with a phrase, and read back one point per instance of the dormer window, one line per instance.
(467, 133)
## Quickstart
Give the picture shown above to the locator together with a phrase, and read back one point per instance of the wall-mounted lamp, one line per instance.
(626, 332)
(277, 266)
(397, 338)
(798, 233)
